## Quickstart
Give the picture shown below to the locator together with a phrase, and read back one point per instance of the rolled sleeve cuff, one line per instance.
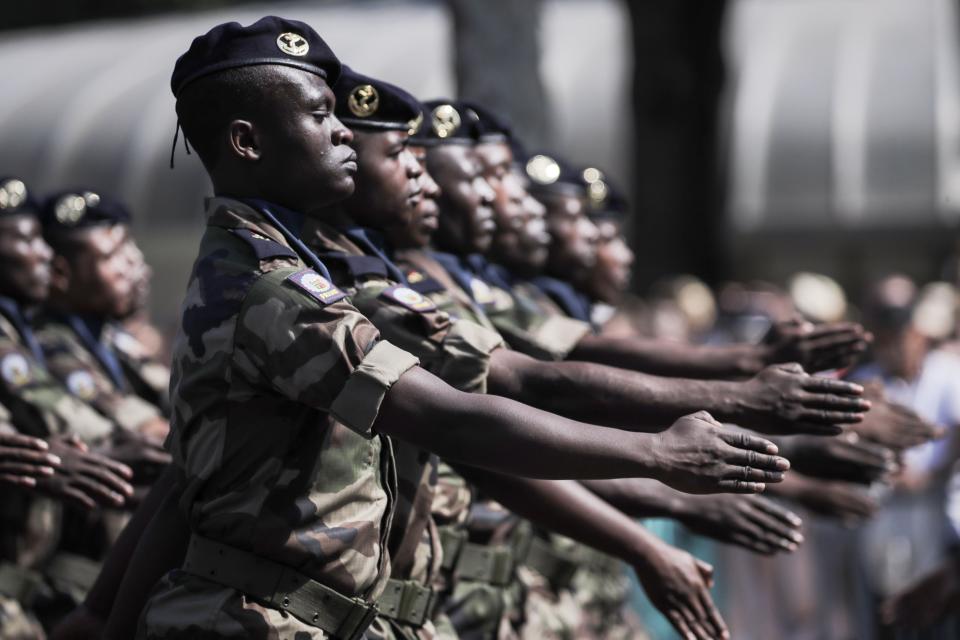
(562, 334)
(467, 348)
(358, 404)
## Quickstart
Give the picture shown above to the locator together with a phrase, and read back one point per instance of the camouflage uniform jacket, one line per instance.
(86, 377)
(38, 403)
(276, 383)
(148, 377)
(528, 325)
(455, 350)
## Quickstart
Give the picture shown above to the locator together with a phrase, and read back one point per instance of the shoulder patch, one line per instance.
(15, 370)
(81, 384)
(263, 247)
(316, 286)
(408, 298)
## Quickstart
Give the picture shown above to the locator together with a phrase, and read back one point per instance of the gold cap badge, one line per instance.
(414, 125)
(12, 194)
(363, 101)
(444, 120)
(596, 186)
(293, 44)
(71, 208)
(543, 169)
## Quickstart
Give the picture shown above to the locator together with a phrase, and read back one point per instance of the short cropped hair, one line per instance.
(209, 104)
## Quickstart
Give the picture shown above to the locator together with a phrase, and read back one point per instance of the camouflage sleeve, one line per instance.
(325, 355)
(94, 388)
(550, 338)
(456, 351)
(39, 404)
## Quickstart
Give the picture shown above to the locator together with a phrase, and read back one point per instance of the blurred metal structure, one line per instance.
(844, 140)
(91, 104)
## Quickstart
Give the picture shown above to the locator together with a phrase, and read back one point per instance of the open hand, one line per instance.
(784, 399)
(893, 425)
(845, 457)
(678, 585)
(699, 455)
(834, 345)
(84, 478)
(838, 500)
(24, 460)
(751, 522)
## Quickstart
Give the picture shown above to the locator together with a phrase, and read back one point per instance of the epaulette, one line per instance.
(422, 283)
(264, 248)
(358, 266)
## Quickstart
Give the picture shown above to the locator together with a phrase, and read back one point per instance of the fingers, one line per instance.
(714, 619)
(680, 624)
(751, 474)
(76, 497)
(775, 531)
(109, 481)
(21, 441)
(780, 513)
(29, 456)
(822, 384)
(98, 492)
(758, 461)
(740, 486)
(753, 544)
(117, 468)
(19, 468)
(19, 481)
(741, 440)
(833, 402)
(834, 329)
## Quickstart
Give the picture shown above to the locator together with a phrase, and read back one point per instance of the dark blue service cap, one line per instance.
(447, 122)
(269, 40)
(491, 127)
(16, 199)
(367, 103)
(81, 208)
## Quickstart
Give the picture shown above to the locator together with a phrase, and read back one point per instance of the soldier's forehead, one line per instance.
(108, 239)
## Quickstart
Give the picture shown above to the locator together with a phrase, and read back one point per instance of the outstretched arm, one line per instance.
(697, 454)
(782, 399)
(752, 522)
(815, 348)
(676, 582)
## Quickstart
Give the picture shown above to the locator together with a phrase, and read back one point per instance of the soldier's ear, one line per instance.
(243, 140)
(60, 274)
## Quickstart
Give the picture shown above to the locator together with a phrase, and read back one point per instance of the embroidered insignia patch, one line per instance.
(15, 369)
(481, 291)
(81, 384)
(408, 298)
(316, 286)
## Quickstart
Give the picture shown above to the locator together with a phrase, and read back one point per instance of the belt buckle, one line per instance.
(358, 628)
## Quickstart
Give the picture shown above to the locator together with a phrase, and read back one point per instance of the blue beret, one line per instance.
(367, 103)
(447, 122)
(16, 199)
(81, 208)
(269, 40)
(491, 127)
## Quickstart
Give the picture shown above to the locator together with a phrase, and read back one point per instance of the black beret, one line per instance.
(491, 127)
(367, 103)
(447, 122)
(16, 199)
(549, 173)
(269, 40)
(81, 208)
